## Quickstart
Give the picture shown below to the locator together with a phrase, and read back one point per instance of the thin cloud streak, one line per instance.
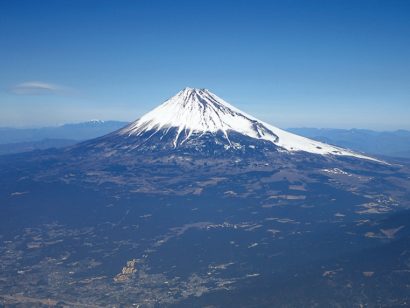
(39, 88)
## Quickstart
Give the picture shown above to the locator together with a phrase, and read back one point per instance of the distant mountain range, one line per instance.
(74, 131)
(388, 143)
(16, 140)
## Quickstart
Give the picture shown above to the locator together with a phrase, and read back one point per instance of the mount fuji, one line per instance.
(198, 121)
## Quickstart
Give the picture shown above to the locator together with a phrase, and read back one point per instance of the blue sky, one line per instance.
(328, 63)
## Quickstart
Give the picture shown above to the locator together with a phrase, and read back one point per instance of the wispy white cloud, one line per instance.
(38, 88)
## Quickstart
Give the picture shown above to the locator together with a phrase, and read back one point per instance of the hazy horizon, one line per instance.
(51, 125)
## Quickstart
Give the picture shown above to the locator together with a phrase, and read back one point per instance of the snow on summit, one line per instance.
(199, 111)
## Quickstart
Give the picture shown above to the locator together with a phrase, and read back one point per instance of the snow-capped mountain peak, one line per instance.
(197, 111)
(192, 112)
